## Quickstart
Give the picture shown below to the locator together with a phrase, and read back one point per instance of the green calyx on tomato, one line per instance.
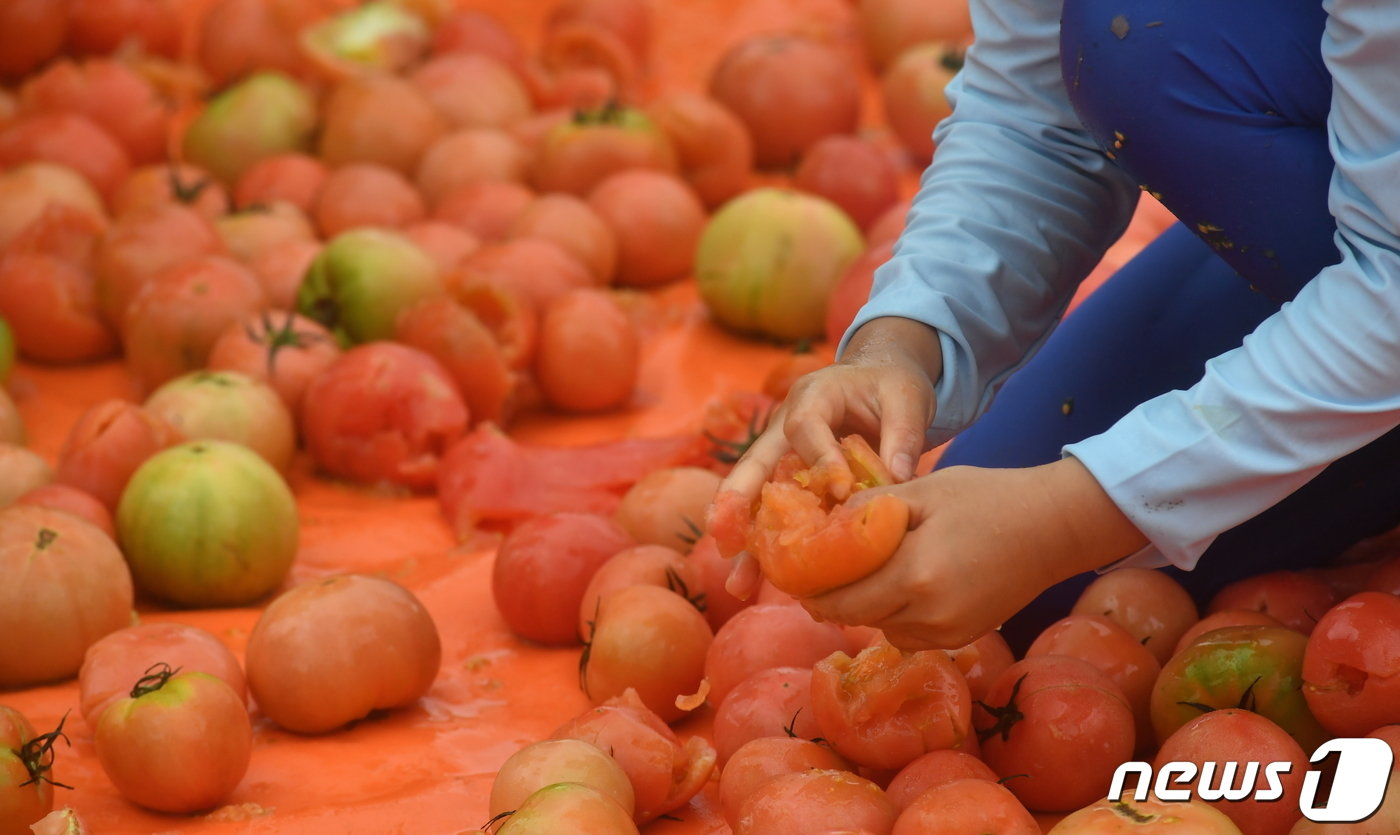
(37, 755)
(155, 677)
(276, 337)
(1006, 716)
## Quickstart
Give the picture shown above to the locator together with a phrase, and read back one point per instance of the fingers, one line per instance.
(869, 601)
(905, 413)
(809, 428)
(757, 463)
(744, 576)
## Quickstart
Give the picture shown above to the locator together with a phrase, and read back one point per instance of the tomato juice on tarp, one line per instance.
(429, 768)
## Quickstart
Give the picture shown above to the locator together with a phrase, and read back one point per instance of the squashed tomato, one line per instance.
(1351, 666)
(805, 538)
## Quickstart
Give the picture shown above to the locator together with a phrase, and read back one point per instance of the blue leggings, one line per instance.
(1219, 109)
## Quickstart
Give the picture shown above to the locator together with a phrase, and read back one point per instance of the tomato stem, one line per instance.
(155, 678)
(497, 819)
(37, 755)
(1007, 715)
(678, 585)
(185, 194)
(276, 338)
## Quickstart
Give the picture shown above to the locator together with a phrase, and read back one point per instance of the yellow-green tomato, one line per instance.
(7, 349)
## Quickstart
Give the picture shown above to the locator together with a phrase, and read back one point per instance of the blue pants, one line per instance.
(1219, 109)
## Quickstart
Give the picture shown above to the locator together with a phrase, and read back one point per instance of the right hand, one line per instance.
(882, 387)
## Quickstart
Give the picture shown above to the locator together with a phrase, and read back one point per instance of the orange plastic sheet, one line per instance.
(428, 769)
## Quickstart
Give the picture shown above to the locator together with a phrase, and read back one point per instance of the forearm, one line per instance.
(1086, 530)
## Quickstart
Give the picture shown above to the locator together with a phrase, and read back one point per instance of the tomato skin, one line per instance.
(854, 173)
(1351, 666)
(549, 761)
(311, 667)
(68, 499)
(656, 218)
(1296, 598)
(1154, 608)
(884, 707)
(292, 177)
(66, 586)
(809, 801)
(933, 769)
(1148, 817)
(976, 805)
(142, 245)
(20, 805)
(654, 565)
(181, 748)
(1222, 619)
(568, 807)
(466, 349)
(282, 349)
(1222, 665)
(574, 226)
(589, 354)
(105, 446)
(982, 662)
(769, 703)
(182, 551)
(713, 147)
(381, 119)
(761, 637)
(576, 155)
(229, 406)
(912, 93)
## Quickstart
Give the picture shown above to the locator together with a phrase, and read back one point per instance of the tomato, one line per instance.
(819, 91)
(27, 190)
(629, 20)
(249, 233)
(713, 148)
(31, 32)
(372, 39)
(466, 349)
(52, 302)
(966, 805)
(280, 348)
(1113, 650)
(113, 662)
(890, 27)
(1154, 608)
(362, 279)
(656, 220)
(26, 765)
(884, 707)
(71, 500)
(293, 177)
(63, 821)
(383, 412)
(144, 244)
(330, 651)
(366, 194)
(260, 116)
(473, 90)
(179, 743)
(982, 662)
(648, 639)
(239, 37)
(765, 636)
(280, 271)
(1244, 738)
(7, 363)
(1296, 598)
(102, 27)
(571, 50)
(761, 760)
(476, 31)
(543, 568)
(208, 523)
(228, 406)
(576, 155)
(486, 208)
(815, 800)
(489, 479)
(1222, 619)
(912, 94)
(160, 184)
(667, 506)
(568, 807)
(588, 357)
(770, 703)
(768, 261)
(653, 565)
(1351, 666)
(573, 225)
(720, 605)
(1148, 817)
(23, 470)
(1259, 668)
(805, 538)
(664, 771)
(111, 94)
(548, 761)
(380, 119)
(469, 156)
(853, 173)
(66, 586)
(537, 270)
(932, 769)
(889, 226)
(1062, 724)
(67, 139)
(172, 323)
(106, 444)
(446, 244)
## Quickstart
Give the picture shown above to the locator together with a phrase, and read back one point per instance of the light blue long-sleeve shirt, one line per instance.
(1019, 205)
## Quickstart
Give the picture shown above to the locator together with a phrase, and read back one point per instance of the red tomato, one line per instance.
(1296, 598)
(720, 605)
(140, 246)
(648, 639)
(1150, 604)
(588, 357)
(652, 565)
(31, 32)
(933, 769)
(179, 743)
(664, 771)
(732, 422)
(486, 209)
(282, 349)
(294, 178)
(68, 499)
(67, 139)
(446, 244)
(106, 444)
(366, 194)
(250, 233)
(1244, 738)
(713, 147)
(1147, 817)
(380, 119)
(332, 650)
(383, 412)
(854, 173)
(982, 662)
(574, 227)
(280, 271)
(769, 703)
(160, 184)
(628, 20)
(889, 27)
(1113, 650)
(1222, 619)
(473, 90)
(889, 226)
(549, 761)
(466, 349)
(239, 37)
(543, 568)
(761, 760)
(468, 157)
(112, 663)
(667, 506)
(577, 155)
(966, 805)
(475, 31)
(102, 27)
(21, 470)
(67, 585)
(1259, 668)
(26, 763)
(762, 637)
(819, 90)
(912, 92)
(110, 93)
(1062, 724)
(656, 219)
(11, 424)
(885, 707)
(27, 190)
(537, 269)
(52, 304)
(816, 800)
(1351, 667)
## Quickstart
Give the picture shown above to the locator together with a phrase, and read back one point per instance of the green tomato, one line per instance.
(208, 523)
(7, 349)
(360, 282)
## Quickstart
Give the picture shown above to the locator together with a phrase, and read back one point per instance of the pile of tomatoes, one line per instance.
(375, 235)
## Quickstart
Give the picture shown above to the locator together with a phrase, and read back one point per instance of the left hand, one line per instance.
(982, 543)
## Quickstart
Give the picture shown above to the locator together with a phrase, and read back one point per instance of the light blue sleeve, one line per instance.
(1016, 209)
(1317, 380)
